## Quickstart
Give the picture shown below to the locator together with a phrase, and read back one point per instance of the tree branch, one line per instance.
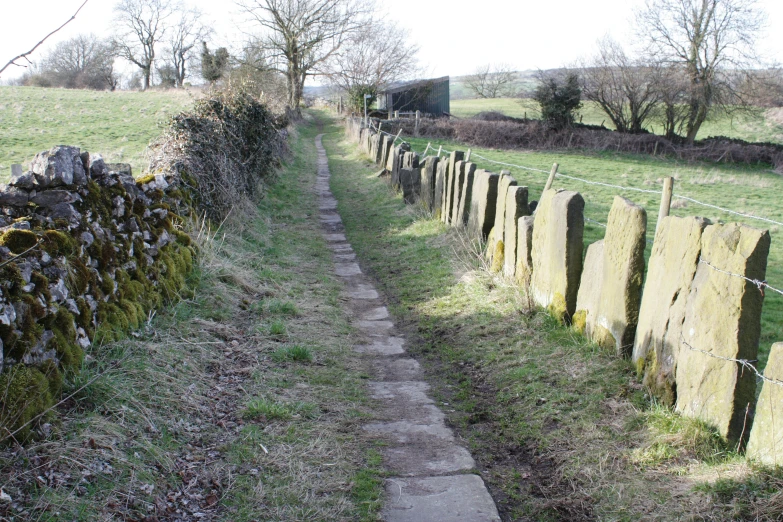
(28, 53)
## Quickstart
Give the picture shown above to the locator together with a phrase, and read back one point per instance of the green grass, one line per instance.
(763, 125)
(560, 428)
(751, 190)
(118, 125)
(206, 402)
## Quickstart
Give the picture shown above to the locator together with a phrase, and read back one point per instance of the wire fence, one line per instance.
(761, 285)
(744, 363)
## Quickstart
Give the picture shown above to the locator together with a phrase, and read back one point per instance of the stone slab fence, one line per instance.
(691, 328)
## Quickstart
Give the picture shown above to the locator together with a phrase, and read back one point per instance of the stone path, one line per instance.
(432, 471)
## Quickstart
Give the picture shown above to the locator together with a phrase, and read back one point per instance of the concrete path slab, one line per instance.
(432, 480)
(460, 498)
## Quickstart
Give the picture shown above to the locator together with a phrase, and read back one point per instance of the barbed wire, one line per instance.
(595, 222)
(761, 285)
(745, 363)
(618, 187)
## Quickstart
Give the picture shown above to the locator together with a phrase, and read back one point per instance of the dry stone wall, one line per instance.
(688, 332)
(86, 252)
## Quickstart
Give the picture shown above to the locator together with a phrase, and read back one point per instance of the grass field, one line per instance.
(761, 126)
(754, 191)
(560, 429)
(118, 125)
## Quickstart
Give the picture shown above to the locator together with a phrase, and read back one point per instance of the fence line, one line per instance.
(745, 363)
(611, 185)
(761, 285)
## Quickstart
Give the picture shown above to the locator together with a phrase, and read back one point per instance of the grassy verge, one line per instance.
(759, 125)
(241, 402)
(561, 430)
(748, 190)
(118, 125)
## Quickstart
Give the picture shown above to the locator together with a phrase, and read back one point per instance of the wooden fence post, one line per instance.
(551, 178)
(467, 156)
(666, 200)
(440, 149)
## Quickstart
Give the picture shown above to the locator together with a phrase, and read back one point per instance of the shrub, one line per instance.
(559, 99)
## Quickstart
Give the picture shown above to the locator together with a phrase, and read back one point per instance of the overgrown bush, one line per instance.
(226, 149)
(559, 98)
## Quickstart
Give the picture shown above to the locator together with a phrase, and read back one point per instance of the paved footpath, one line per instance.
(432, 479)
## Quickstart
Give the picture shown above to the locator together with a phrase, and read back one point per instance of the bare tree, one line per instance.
(141, 24)
(185, 32)
(491, 81)
(709, 39)
(304, 34)
(25, 55)
(626, 89)
(84, 61)
(371, 59)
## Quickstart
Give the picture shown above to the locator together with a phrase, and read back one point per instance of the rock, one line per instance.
(52, 198)
(524, 269)
(466, 194)
(672, 265)
(21, 225)
(557, 252)
(607, 309)
(499, 222)
(440, 188)
(410, 182)
(765, 444)
(516, 207)
(448, 190)
(123, 169)
(458, 185)
(428, 181)
(87, 239)
(94, 165)
(13, 196)
(723, 319)
(67, 212)
(386, 143)
(59, 291)
(482, 204)
(23, 180)
(57, 166)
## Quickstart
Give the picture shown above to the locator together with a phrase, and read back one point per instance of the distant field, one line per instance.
(118, 125)
(766, 126)
(750, 190)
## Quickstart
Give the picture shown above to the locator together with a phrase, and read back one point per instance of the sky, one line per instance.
(454, 37)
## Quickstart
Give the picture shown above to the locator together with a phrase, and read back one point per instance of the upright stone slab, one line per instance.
(524, 270)
(558, 232)
(723, 319)
(765, 444)
(448, 200)
(410, 160)
(482, 204)
(428, 182)
(672, 265)
(516, 207)
(607, 308)
(386, 142)
(499, 222)
(398, 160)
(378, 148)
(440, 188)
(410, 183)
(466, 194)
(459, 183)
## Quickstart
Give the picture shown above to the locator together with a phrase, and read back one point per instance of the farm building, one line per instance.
(428, 96)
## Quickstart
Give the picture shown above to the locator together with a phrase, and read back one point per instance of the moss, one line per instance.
(57, 243)
(133, 312)
(63, 326)
(79, 276)
(660, 384)
(18, 240)
(579, 321)
(84, 319)
(41, 283)
(183, 238)
(498, 258)
(143, 180)
(26, 395)
(558, 308)
(107, 284)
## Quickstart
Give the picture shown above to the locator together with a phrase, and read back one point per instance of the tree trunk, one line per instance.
(147, 72)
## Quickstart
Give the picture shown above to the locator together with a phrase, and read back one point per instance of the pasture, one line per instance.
(760, 125)
(119, 125)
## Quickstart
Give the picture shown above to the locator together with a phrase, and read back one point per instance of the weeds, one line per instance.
(294, 353)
